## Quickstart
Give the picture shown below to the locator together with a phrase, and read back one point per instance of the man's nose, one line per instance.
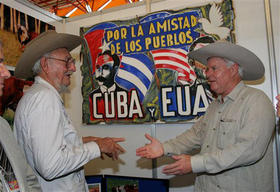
(72, 67)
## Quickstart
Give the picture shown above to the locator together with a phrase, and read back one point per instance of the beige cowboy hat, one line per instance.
(44, 43)
(252, 67)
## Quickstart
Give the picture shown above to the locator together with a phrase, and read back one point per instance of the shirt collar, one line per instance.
(43, 82)
(104, 89)
(233, 94)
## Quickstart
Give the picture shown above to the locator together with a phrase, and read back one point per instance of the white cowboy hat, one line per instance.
(44, 43)
(252, 67)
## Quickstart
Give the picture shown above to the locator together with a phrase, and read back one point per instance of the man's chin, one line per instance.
(64, 89)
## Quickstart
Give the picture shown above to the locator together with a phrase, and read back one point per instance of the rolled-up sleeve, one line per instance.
(197, 164)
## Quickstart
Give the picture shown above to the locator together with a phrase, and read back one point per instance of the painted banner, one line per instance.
(138, 70)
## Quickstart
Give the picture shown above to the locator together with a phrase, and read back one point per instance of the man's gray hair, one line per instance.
(230, 63)
(37, 66)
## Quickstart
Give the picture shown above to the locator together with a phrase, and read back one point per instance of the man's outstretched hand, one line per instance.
(107, 145)
(151, 150)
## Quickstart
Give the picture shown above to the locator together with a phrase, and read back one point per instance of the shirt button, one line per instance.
(207, 146)
(224, 133)
(218, 186)
(214, 129)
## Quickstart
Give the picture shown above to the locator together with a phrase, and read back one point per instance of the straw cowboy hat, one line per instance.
(252, 67)
(44, 43)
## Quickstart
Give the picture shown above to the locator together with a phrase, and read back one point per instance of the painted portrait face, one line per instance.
(104, 70)
(4, 73)
(23, 35)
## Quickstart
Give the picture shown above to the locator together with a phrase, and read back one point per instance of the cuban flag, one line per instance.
(94, 40)
(136, 71)
(175, 59)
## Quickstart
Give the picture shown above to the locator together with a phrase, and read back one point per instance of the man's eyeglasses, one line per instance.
(1, 60)
(68, 61)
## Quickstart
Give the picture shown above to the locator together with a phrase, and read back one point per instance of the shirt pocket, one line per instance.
(227, 133)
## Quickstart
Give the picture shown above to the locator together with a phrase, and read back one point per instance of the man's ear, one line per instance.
(235, 68)
(44, 64)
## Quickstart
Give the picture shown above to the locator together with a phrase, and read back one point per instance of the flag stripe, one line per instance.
(133, 82)
(138, 65)
(170, 55)
(178, 52)
(164, 59)
(169, 66)
(136, 71)
(181, 73)
(138, 74)
(130, 86)
(169, 63)
(175, 59)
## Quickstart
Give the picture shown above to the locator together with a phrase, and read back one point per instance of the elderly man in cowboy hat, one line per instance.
(234, 135)
(42, 127)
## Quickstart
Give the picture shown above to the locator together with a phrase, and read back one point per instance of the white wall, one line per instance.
(250, 30)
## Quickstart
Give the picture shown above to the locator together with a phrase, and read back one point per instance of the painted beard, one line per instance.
(101, 79)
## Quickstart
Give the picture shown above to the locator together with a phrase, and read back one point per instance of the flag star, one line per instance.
(105, 46)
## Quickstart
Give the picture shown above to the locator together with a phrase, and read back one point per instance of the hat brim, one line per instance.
(252, 67)
(44, 43)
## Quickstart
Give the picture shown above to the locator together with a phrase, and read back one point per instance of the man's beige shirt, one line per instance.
(235, 141)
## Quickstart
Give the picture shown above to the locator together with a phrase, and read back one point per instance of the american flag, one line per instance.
(175, 59)
(136, 71)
